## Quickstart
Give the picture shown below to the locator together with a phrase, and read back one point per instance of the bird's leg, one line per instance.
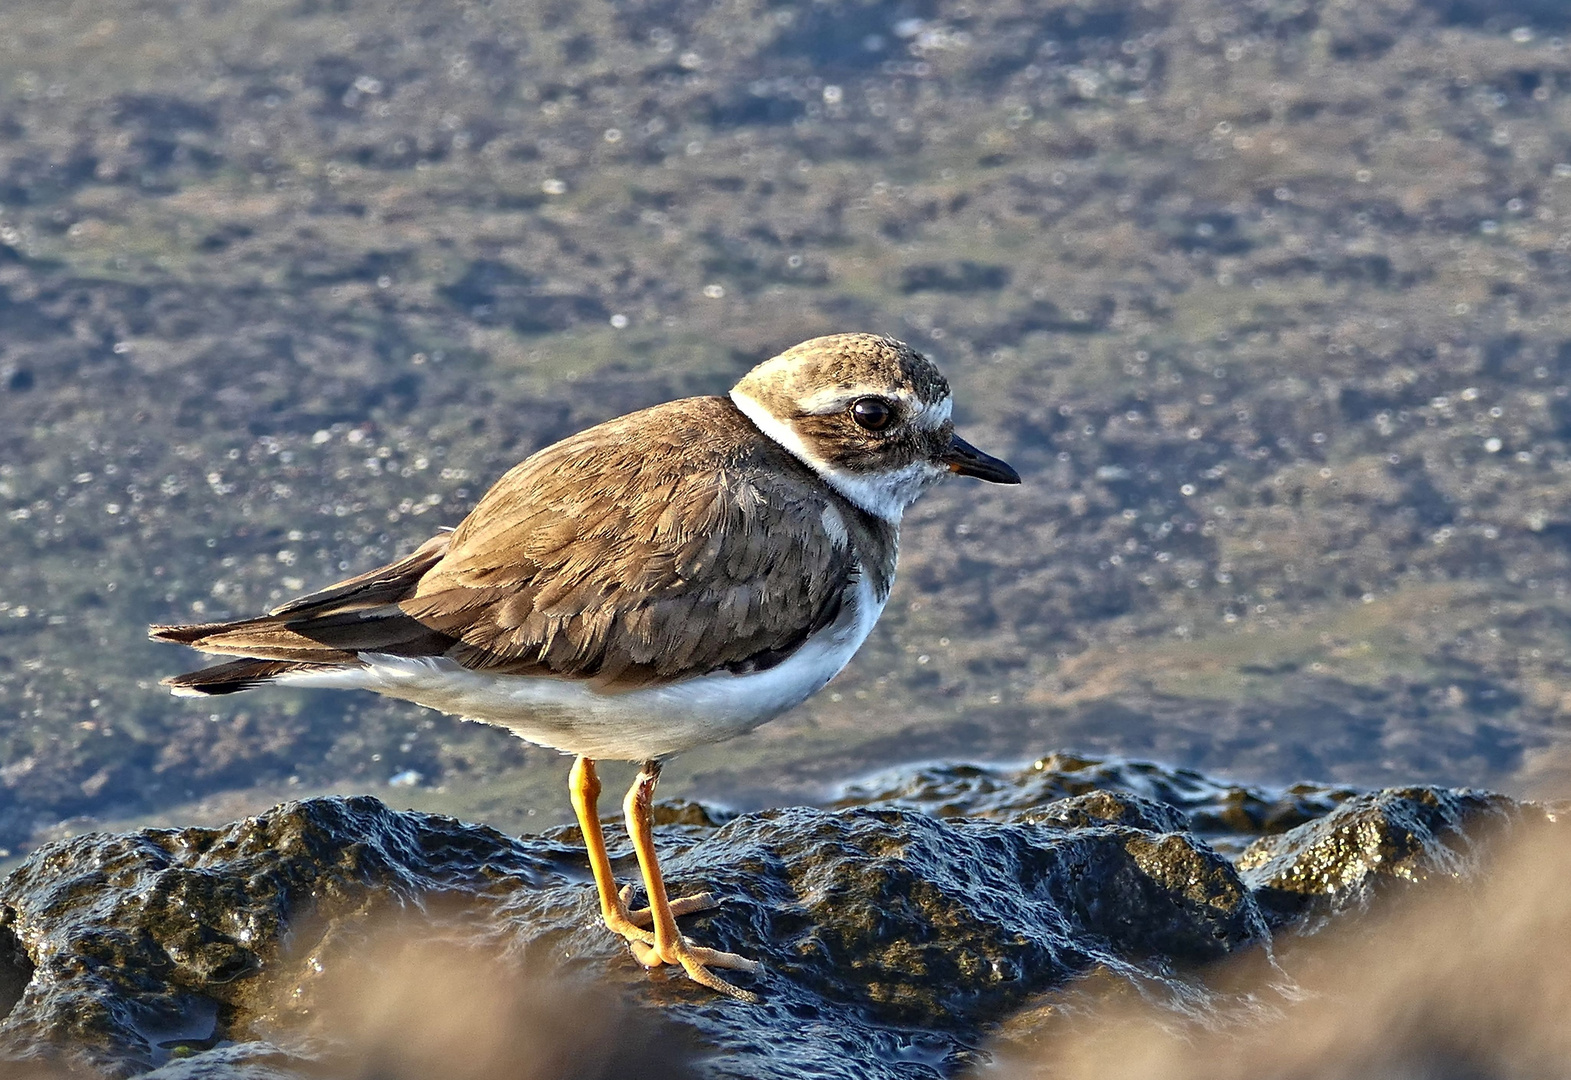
(584, 784)
(669, 946)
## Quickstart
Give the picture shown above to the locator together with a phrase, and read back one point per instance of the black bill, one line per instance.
(967, 460)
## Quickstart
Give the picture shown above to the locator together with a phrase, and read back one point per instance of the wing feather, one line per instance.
(608, 559)
(663, 545)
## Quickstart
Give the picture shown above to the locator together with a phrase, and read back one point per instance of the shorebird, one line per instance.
(673, 577)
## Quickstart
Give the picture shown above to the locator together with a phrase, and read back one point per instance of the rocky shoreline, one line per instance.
(895, 940)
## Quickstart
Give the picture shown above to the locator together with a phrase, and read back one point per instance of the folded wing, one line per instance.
(628, 554)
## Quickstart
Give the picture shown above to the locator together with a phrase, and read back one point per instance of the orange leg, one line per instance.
(584, 785)
(669, 946)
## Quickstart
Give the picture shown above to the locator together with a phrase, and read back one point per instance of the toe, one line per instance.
(626, 924)
(685, 905)
(704, 977)
(716, 958)
(697, 961)
(645, 953)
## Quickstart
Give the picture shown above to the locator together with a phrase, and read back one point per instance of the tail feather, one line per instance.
(233, 677)
(324, 639)
(323, 630)
(185, 635)
(384, 585)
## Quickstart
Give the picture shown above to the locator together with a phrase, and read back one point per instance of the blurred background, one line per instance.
(1268, 300)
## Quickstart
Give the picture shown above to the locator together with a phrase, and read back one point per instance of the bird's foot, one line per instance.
(625, 923)
(697, 961)
(635, 924)
(685, 905)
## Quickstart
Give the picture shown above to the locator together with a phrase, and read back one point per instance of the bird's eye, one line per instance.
(874, 414)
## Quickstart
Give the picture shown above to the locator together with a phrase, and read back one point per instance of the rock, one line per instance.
(145, 942)
(1223, 812)
(891, 939)
(1460, 977)
(1367, 845)
(337, 936)
(1109, 808)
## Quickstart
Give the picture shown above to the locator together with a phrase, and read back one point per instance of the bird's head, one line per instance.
(867, 413)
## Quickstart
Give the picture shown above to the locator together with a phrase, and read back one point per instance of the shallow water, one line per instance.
(1268, 306)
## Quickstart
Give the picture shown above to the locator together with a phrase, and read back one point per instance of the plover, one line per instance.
(674, 577)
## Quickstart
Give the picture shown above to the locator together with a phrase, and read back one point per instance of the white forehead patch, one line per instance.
(832, 399)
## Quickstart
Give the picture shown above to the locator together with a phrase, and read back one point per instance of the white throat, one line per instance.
(884, 495)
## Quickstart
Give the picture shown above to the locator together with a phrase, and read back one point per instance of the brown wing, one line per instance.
(665, 544)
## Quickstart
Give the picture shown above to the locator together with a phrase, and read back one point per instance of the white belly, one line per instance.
(652, 722)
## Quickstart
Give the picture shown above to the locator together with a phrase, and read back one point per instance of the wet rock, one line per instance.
(1229, 815)
(339, 937)
(891, 938)
(1367, 845)
(16, 969)
(1459, 978)
(147, 941)
(950, 922)
(1109, 808)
